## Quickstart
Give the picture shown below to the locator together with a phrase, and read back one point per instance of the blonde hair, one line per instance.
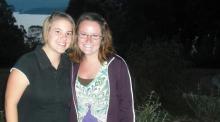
(53, 17)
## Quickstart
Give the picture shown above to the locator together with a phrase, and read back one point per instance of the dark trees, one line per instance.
(132, 22)
(11, 38)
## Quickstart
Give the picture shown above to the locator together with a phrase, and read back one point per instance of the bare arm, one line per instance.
(17, 82)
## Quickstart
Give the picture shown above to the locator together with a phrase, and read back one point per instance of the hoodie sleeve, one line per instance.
(125, 94)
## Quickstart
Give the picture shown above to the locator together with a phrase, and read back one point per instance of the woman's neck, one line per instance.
(89, 67)
(90, 59)
(53, 57)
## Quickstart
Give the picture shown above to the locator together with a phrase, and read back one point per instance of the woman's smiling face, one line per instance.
(89, 37)
(60, 35)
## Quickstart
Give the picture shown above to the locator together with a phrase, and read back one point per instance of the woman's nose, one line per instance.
(88, 38)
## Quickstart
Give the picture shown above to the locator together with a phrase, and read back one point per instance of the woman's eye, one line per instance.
(57, 31)
(95, 36)
(69, 34)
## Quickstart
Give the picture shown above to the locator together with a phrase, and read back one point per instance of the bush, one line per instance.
(151, 111)
(206, 108)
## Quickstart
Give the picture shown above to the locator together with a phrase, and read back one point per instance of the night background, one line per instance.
(172, 48)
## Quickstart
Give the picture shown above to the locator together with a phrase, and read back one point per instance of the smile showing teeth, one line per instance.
(62, 44)
(87, 46)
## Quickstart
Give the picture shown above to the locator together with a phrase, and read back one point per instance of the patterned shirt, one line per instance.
(93, 99)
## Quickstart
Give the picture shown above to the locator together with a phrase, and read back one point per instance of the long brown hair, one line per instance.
(106, 48)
